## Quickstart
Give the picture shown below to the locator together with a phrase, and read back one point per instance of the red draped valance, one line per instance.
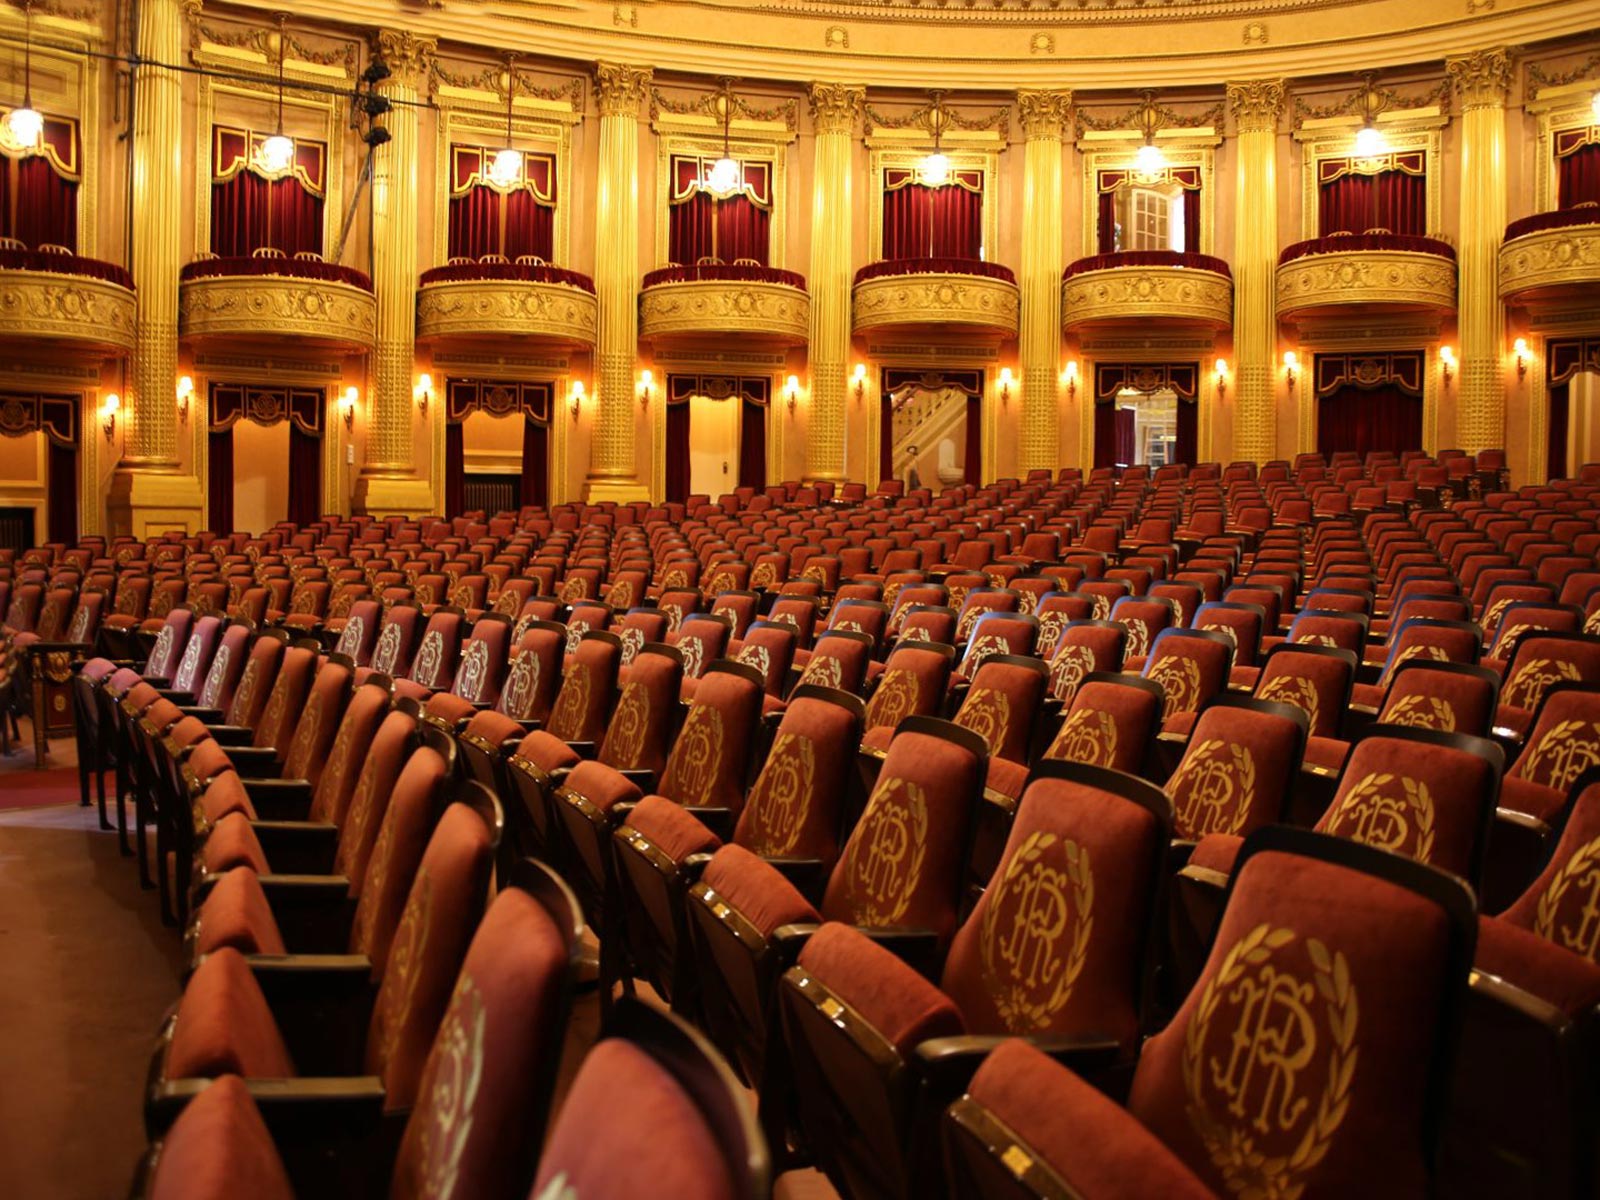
(235, 150)
(463, 397)
(56, 415)
(469, 168)
(898, 380)
(755, 178)
(895, 178)
(754, 389)
(231, 403)
(1407, 162)
(1182, 379)
(58, 146)
(1569, 141)
(1187, 178)
(1566, 357)
(1368, 371)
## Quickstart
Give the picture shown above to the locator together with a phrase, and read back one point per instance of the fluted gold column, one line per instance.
(1481, 81)
(1256, 106)
(613, 465)
(389, 482)
(1044, 116)
(835, 108)
(148, 493)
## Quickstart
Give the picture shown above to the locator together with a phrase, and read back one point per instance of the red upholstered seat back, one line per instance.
(1084, 648)
(1190, 666)
(709, 758)
(1564, 741)
(637, 737)
(396, 641)
(534, 674)
(352, 744)
(256, 681)
(1558, 905)
(369, 804)
(1312, 678)
(1440, 696)
(1002, 705)
(912, 684)
(1235, 772)
(584, 703)
(794, 809)
(290, 689)
(318, 722)
(1110, 724)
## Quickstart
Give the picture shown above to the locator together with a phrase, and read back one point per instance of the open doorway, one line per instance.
(1145, 414)
(716, 434)
(1573, 430)
(931, 434)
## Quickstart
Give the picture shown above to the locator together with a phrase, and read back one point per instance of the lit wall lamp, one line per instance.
(1070, 378)
(576, 397)
(791, 392)
(1291, 367)
(1520, 349)
(1006, 380)
(185, 391)
(109, 410)
(647, 384)
(859, 381)
(1447, 363)
(423, 392)
(1222, 378)
(347, 408)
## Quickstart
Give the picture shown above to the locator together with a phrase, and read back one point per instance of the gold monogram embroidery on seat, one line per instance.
(1036, 931)
(474, 670)
(571, 706)
(1574, 925)
(625, 736)
(758, 657)
(782, 796)
(429, 659)
(1212, 789)
(1293, 689)
(1370, 813)
(1179, 677)
(1561, 755)
(447, 1098)
(1087, 736)
(987, 713)
(981, 650)
(1528, 687)
(885, 856)
(696, 759)
(522, 682)
(1068, 669)
(1269, 1059)
(1421, 712)
(895, 699)
(824, 670)
(401, 972)
(387, 655)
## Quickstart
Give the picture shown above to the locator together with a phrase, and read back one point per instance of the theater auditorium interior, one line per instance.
(866, 599)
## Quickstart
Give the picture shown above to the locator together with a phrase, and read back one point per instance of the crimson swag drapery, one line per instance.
(455, 469)
(1114, 435)
(46, 205)
(1556, 438)
(484, 221)
(1187, 449)
(1578, 177)
(702, 226)
(250, 213)
(677, 452)
(927, 222)
(305, 476)
(219, 485)
(61, 484)
(1392, 200)
(752, 445)
(535, 463)
(1368, 419)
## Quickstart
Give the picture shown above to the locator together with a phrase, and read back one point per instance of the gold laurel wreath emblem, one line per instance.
(878, 901)
(778, 801)
(1088, 737)
(1068, 669)
(696, 756)
(1179, 677)
(1422, 712)
(1561, 756)
(987, 713)
(1205, 786)
(566, 719)
(1247, 1171)
(1017, 1001)
(625, 738)
(1296, 690)
(1549, 908)
(894, 700)
(1369, 793)
(1530, 683)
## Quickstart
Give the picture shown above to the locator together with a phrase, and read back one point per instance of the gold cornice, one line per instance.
(622, 89)
(1144, 294)
(835, 107)
(1352, 280)
(335, 315)
(1482, 78)
(44, 306)
(535, 313)
(962, 301)
(1044, 114)
(1256, 104)
(772, 310)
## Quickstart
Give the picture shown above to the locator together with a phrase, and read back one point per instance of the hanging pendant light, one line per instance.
(25, 125)
(506, 170)
(723, 177)
(1149, 161)
(935, 168)
(276, 155)
(1369, 142)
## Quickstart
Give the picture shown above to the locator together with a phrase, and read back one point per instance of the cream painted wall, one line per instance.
(713, 445)
(260, 475)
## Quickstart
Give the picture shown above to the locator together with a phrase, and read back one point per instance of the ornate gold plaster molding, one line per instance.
(335, 314)
(410, 56)
(1482, 78)
(532, 311)
(1356, 278)
(836, 107)
(971, 300)
(1044, 114)
(772, 310)
(622, 89)
(1256, 104)
(37, 305)
(1145, 293)
(1550, 258)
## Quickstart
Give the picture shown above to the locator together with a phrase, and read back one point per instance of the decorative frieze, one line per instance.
(762, 309)
(1391, 278)
(961, 300)
(491, 307)
(335, 314)
(1141, 293)
(36, 305)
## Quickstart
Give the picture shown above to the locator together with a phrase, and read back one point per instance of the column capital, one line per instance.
(835, 107)
(1256, 104)
(1481, 79)
(410, 56)
(1044, 114)
(191, 8)
(623, 89)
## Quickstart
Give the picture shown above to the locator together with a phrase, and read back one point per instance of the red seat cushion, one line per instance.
(237, 914)
(232, 843)
(1325, 752)
(896, 1001)
(1216, 852)
(546, 752)
(1534, 799)
(224, 1025)
(671, 828)
(219, 1149)
(757, 890)
(1550, 972)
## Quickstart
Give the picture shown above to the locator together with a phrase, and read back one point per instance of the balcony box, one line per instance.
(1138, 286)
(1366, 273)
(1552, 258)
(948, 294)
(530, 302)
(719, 299)
(62, 299)
(270, 298)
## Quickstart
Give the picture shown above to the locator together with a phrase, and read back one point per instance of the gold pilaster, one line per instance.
(835, 108)
(1257, 105)
(613, 467)
(1481, 81)
(1044, 116)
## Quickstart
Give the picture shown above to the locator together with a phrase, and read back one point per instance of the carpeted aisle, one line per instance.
(86, 972)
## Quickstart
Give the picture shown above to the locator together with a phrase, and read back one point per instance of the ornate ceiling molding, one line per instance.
(930, 115)
(709, 104)
(1371, 99)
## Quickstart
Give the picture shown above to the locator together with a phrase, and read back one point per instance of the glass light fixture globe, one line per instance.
(506, 170)
(1369, 142)
(1595, 105)
(276, 153)
(723, 178)
(936, 169)
(25, 125)
(1150, 160)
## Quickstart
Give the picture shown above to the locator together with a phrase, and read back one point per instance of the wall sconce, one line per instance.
(647, 384)
(1520, 349)
(185, 391)
(1069, 377)
(1006, 380)
(791, 392)
(1222, 378)
(423, 392)
(1447, 363)
(109, 409)
(347, 408)
(859, 381)
(577, 397)
(1291, 365)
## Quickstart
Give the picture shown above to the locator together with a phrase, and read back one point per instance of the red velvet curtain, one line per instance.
(305, 476)
(973, 467)
(1556, 438)
(47, 206)
(743, 230)
(475, 223)
(1578, 177)
(1391, 200)
(1126, 420)
(249, 213)
(1368, 419)
(678, 452)
(530, 226)
(455, 469)
(1187, 447)
(753, 445)
(689, 229)
(924, 222)
(886, 439)
(62, 486)
(704, 227)
(1105, 435)
(219, 490)
(535, 464)
(296, 219)
(1191, 222)
(1106, 224)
